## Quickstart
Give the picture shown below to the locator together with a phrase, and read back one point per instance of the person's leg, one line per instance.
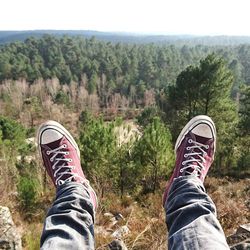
(190, 212)
(191, 217)
(69, 223)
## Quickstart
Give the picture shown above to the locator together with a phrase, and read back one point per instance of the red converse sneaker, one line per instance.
(61, 156)
(194, 149)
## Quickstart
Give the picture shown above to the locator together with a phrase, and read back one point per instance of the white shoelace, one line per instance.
(59, 172)
(195, 159)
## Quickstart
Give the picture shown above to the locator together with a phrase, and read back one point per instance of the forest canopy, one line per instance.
(126, 66)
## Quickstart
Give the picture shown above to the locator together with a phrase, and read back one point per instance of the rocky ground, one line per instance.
(136, 223)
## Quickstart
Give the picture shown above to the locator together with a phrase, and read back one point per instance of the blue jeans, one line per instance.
(69, 223)
(191, 217)
(190, 213)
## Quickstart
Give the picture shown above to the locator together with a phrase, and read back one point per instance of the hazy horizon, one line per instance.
(126, 33)
(164, 17)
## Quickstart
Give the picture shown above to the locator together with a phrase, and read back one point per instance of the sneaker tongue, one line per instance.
(54, 144)
(200, 139)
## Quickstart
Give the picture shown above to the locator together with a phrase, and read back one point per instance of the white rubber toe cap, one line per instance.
(50, 135)
(203, 130)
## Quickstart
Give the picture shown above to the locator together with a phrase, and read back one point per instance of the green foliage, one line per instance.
(34, 107)
(92, 84)
(13, 135)
(117, 76)
(143, 66)
(97, 146)
(244, 112)
(244, 129)
(205, 89)
(109, 69)
(115, 155)
(62, 98)
(13, 150)
(11, 130)
(85, 118)
(154, 152)
(201, 89)
(27, 192)
(28, 180)
(128, 172)
(31, 237)
(98, 141)
(147, 116)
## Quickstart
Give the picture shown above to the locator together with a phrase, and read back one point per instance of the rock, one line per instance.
(119, 216)
(241, 246)
(108, 215)
(113, 219)
(101, 231)
(241, 239)
(113, 222)
(243, 229)
(31, 140)
(9, 236)
(117, 245)
(27, 158)
(120, 232)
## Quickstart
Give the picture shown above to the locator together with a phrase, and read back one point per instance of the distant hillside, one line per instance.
(114, 37)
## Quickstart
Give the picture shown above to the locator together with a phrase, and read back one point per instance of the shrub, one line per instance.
(27, 192)
(62, 98)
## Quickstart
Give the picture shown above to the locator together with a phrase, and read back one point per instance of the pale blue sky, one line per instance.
(198, 17)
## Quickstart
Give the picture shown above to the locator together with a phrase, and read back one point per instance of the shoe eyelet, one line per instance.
(207, 146)
(181, 170)
(190, 140)
(188, 148)
(60, 182)
(183, 163)
(48, 152)
(65, 145)
(70, 160)
(185, 155)
(51, 160)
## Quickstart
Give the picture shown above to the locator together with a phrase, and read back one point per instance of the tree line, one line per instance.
(130, 69)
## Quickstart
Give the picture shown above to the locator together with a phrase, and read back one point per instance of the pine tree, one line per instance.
(154, 153)
(97, 145)
(205, 89)
(244, 128)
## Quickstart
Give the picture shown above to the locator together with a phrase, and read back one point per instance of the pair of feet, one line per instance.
(194, 148)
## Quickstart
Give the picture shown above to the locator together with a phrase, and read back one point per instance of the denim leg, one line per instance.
(70, 221)
(191, 217)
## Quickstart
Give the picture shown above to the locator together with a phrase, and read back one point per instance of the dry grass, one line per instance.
(31, 237)
(231, 198)
(144, 218)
